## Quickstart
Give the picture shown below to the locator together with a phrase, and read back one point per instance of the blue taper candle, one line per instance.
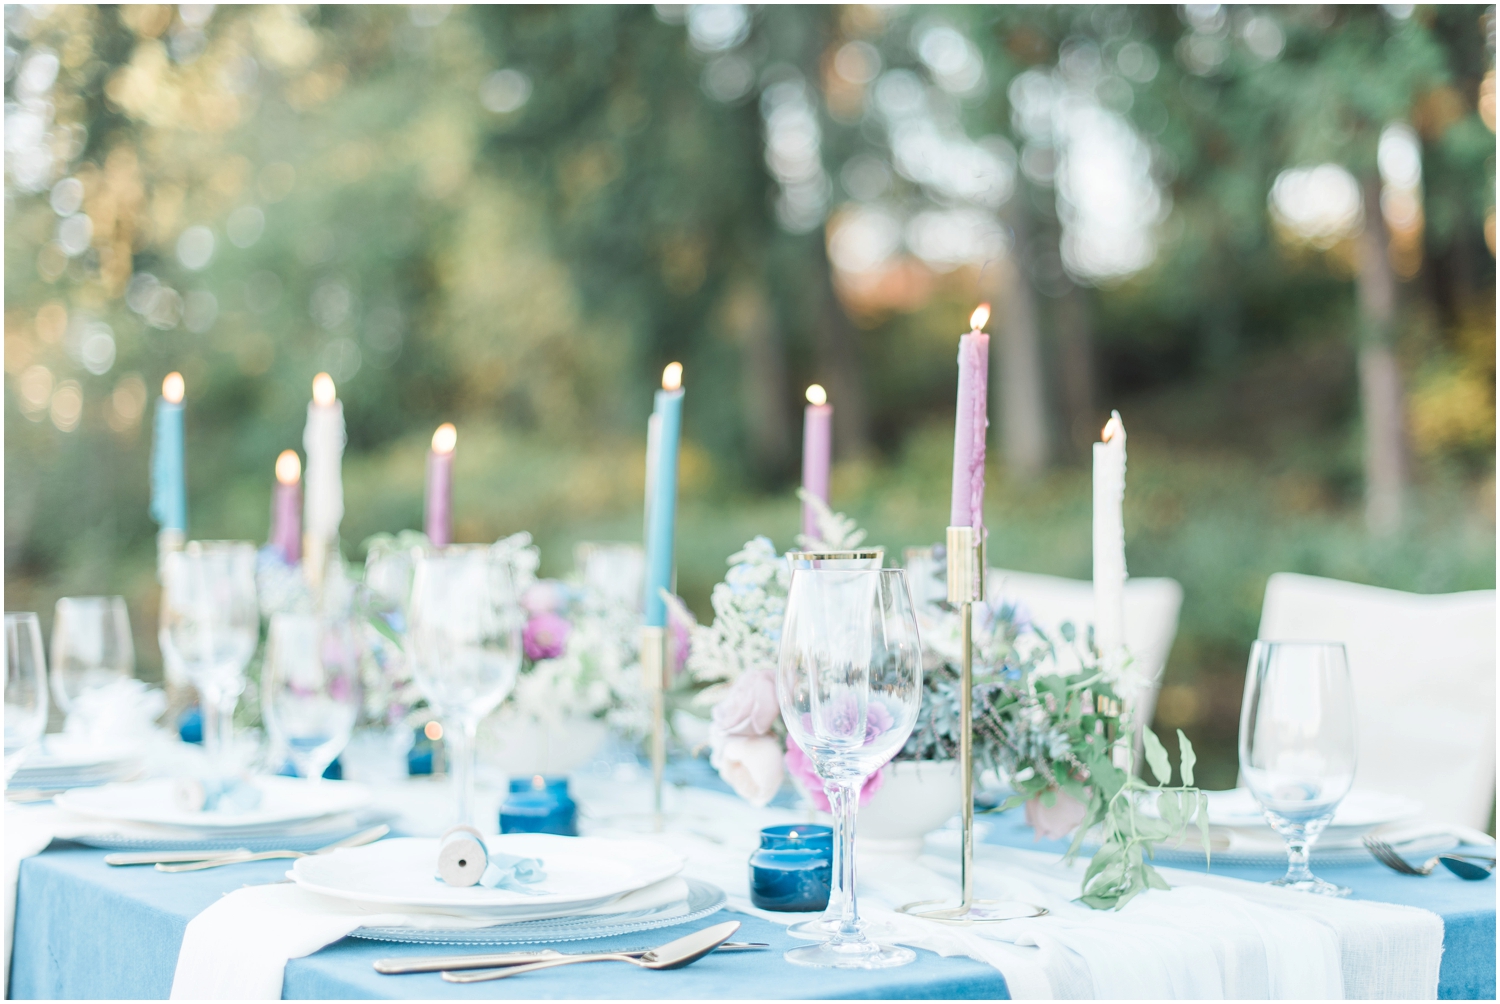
(168, 485)
(662, 519)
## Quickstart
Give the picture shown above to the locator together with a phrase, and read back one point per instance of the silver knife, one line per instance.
(438, 963)
(168, 857)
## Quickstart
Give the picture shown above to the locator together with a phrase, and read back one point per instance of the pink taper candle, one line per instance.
(817, 448)
(439, 522)
(286, 508)
(971, 423)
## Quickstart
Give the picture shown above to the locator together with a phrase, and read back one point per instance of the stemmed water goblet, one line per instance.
(310, 688)
(25, 689)
(1297, 745)
(91, 647)
(210, 624)
(464, 639)
(849, 682)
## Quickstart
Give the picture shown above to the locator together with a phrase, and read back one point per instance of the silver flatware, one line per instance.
(369, 836)
(1467, 866)
(123, 858)
(438, 963)
(673, 955)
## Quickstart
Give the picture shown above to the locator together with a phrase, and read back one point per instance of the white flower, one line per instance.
(751, 765)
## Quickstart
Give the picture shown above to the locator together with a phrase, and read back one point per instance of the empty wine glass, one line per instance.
(464, 637)
(310, 688)
(210, 624)
(1297, 749)
(849, 682)
(25, 689)
(91, 646)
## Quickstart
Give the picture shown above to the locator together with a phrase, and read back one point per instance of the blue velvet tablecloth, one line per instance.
(85, 930)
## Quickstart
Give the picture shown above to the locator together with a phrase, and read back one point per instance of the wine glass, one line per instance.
(1297, 747)
(849, 683)
(25, 689)
(310, 688)
(91, 646)
(464, 636)
(210, 624)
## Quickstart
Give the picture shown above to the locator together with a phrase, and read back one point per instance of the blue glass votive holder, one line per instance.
(539, 805)
(792, 872)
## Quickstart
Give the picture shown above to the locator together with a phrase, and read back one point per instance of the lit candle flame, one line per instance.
(980, 317)
(288, 467)
(816, 394)
(324, 392)
(671, 377)
(173, 388)
(1112, 428)
(445, 438)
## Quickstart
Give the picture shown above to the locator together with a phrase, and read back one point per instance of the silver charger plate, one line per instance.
(302, 838)
(704, 899)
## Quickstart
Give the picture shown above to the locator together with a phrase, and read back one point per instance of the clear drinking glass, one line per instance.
(1297, 749)
(25, 689)
(91, 646)
(210, 624)
(827, 925)
(310, 688)
(849, 684)
(464, 637)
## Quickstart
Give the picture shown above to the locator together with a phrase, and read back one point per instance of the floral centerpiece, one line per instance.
(1047, 717)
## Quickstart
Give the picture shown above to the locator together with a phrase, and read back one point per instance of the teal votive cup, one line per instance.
(792, 870)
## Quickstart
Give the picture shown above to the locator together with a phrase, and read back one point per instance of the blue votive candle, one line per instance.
(539, 805)
(792, 871)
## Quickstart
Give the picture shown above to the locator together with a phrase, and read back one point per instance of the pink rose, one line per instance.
(545, 636)
(750, 707)
(751, 765)
(801, 768)
(1058, 820)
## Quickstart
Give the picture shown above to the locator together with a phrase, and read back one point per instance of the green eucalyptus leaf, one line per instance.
(1186, 758)
(1203, 825)
(1156, 757)
(1170, 809)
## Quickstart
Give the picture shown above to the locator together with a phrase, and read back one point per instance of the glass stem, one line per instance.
(838, 896)
(218, 728)
(461, 738)
(843, 798)
(1297, 846)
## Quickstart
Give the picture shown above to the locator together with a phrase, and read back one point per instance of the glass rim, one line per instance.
(456, 551)
(216, 546)
(1298, 642)
(21, 615)
(850, 571)
(858, 554)
(77, 599)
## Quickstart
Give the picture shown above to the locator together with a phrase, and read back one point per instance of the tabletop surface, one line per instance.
(85, 930)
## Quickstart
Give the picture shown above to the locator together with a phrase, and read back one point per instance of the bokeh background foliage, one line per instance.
(1266, 235)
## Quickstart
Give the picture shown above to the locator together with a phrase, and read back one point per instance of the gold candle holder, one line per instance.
(966, 563)
(654, 674)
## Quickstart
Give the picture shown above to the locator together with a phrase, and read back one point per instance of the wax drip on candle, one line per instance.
(445, 438)
(173, 388)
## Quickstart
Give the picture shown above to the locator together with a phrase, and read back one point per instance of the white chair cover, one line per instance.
(1424, 684)
(1151, 608)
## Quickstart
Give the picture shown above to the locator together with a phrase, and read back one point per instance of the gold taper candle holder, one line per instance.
(654, 675)
(966, 562)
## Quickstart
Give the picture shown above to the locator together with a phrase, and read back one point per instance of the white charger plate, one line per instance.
(581, 872)
(704, 899)
(283, 800)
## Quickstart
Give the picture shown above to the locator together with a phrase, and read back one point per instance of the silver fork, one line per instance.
(1386, 855)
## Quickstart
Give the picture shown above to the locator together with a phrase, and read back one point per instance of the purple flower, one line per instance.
(546, 636)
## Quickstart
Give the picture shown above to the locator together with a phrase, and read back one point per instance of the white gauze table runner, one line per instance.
(1209, 938)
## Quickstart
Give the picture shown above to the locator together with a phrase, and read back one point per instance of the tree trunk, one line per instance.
(1381, 396)
(1075, 343)
(763, 377)
(841, 364)
(1020, 406)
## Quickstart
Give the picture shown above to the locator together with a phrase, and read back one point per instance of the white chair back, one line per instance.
(1424, 684)
(1151, 608)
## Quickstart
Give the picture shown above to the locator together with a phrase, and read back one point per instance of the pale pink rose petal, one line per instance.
(751, 765)
(1056, 821)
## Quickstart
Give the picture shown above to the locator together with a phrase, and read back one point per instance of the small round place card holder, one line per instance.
(464, 861)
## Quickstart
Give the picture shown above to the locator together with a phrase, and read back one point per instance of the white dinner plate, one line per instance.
(283, 800)
(61, 754)
(1360, 812)
(581, 872)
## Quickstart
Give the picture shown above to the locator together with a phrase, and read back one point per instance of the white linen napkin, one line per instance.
(238, 948)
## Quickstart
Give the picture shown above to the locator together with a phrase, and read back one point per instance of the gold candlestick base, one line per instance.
(965, 587)
(654, 673)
